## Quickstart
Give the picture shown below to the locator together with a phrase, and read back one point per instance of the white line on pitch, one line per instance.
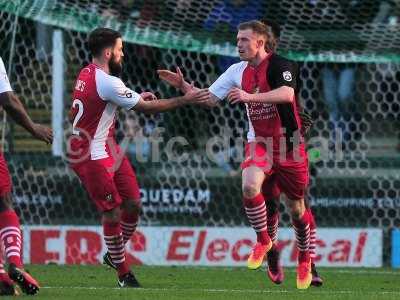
(220, 290)
(367, 272)
(350, 271)
(323, 270)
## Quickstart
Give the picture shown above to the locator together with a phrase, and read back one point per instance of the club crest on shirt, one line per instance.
(287, 76)
(256, 90)
(109, 198)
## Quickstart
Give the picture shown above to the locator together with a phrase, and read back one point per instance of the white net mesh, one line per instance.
(359, 187)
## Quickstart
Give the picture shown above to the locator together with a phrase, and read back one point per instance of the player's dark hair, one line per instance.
(274, 33)
(102, 38)
(275, 27)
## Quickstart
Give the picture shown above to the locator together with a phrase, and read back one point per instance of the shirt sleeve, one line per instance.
(228, 80)
(284, 73)
(4, 82)
(111, 88)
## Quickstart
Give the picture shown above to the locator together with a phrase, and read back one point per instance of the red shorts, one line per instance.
(289, 175)
(270, 188)
(108, 187)
(5, 179)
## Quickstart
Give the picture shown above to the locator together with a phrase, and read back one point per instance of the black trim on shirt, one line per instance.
(283, 72)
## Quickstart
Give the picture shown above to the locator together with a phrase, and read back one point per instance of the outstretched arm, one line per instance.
(193, 96)
(176, 80)
(13, 106)
(111, 88)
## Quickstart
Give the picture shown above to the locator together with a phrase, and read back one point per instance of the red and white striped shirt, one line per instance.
(96, 97)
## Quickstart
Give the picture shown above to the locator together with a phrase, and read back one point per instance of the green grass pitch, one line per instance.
(190, 283)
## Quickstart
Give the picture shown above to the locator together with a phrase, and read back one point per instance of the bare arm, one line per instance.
(156, 106)
(212, 101)
(283, 94)
(194, 96)
(186, 86)
(13, 106)
(176, 80)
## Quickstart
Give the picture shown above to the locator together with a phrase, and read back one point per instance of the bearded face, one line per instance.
(115, 66)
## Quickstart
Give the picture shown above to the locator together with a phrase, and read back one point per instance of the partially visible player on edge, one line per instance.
(10, 234)
(94, 154)
(271, 192)
(268, 85)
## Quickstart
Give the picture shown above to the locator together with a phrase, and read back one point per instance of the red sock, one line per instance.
(256, 212)
(115, 246)
(313, 234)
(10, 236)
(128, 225)
(302, 231)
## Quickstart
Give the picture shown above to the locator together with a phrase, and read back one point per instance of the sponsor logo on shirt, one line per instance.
(4, 76)
(287, 76)
(126, 94)
(262, 111)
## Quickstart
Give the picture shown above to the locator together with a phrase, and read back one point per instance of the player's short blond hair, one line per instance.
(255, 25)
(261, 29)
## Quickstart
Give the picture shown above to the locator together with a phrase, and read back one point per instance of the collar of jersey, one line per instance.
(262, 63)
